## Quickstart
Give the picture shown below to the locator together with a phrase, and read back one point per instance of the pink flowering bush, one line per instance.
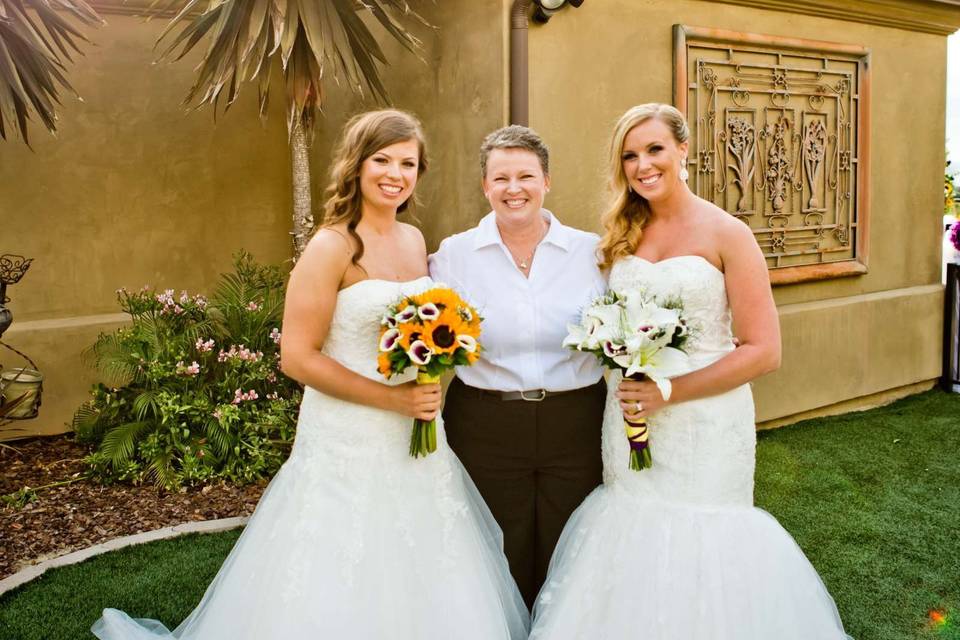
(192, 388)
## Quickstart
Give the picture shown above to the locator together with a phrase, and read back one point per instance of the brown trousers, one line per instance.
(533, 463)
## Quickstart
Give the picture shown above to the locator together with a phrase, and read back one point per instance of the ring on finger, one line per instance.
(639, 406)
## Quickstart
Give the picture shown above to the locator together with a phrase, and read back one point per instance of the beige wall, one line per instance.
(843, 338)
(132, 191)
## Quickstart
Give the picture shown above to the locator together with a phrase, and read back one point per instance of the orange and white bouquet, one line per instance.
(434, 331)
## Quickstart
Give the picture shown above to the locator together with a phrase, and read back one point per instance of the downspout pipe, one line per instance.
(519, 63)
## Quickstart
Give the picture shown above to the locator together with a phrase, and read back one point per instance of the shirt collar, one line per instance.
(488, 234)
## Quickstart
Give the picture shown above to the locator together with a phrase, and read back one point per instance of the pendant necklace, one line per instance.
(524, 263)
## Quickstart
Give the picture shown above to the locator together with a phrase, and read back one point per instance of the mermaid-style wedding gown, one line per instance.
(354, 539)
(678, 551)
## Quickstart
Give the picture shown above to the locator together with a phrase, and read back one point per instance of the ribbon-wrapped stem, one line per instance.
(423, 440)
(638, 437)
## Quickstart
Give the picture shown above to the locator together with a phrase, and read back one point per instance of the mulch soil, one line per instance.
(83, 513)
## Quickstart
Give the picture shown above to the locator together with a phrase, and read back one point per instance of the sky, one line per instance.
(953, 99)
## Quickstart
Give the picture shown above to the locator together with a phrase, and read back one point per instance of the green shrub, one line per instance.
(192, 389)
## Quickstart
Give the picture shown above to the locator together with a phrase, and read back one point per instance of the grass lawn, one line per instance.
(873, 498)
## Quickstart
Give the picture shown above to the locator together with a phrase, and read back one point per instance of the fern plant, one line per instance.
(191, 389)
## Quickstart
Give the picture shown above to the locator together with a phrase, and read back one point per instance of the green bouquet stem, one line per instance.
(423, 439)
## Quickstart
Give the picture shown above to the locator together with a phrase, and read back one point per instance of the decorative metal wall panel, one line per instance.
(778, 139)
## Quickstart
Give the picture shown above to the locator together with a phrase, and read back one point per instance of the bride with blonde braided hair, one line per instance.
(677, 551)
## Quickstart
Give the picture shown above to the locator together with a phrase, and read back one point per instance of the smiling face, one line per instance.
(515, 184)
(388, 176)
(651, 159)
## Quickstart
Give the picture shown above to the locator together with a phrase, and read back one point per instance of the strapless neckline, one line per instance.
(381, 280)
(675, 258)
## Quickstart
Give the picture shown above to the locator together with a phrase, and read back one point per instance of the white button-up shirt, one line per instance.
(524, 319)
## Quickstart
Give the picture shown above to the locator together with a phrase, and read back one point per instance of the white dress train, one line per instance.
(678, 551)
(354, 539)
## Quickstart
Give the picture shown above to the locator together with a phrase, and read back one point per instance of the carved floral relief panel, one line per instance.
(778, 139)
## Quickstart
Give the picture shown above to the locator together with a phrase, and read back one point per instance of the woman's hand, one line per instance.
(420, 401)
(639, 399)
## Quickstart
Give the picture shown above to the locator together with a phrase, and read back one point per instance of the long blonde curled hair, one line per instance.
(364, 135)
(628, 212)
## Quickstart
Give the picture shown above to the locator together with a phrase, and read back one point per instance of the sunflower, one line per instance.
(442, 297)
(383, 363)
(441, 334)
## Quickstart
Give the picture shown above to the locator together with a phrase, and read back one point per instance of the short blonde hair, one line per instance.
(515, 136)
(628, 212)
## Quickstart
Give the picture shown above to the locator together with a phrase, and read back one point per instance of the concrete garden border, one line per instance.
(36, 570)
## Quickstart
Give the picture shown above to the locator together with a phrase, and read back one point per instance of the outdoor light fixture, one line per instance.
(546, 8)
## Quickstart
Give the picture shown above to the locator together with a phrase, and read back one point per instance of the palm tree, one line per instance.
(35, 39)
(309, 37)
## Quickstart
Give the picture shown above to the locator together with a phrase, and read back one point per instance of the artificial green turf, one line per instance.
(873, 498)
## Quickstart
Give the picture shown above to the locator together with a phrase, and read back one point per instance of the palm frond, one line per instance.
(145, 405)
(162, 471)
(87, 423)
(119, 443)
(111, 356)
(219, 438)
(311, 38)
(35, 40)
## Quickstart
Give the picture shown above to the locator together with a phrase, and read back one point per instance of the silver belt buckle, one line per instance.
(542, 394)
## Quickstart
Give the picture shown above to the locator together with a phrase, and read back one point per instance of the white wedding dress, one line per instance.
(354, 539)
(678, 551)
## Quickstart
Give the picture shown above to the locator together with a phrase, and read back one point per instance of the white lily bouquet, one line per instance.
(643, 337)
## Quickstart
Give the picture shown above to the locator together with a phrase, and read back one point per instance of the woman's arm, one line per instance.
(756, 325)
(308, 311)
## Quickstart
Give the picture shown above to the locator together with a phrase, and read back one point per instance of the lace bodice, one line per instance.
(703, 451)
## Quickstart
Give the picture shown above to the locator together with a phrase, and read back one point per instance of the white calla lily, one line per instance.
(389, 339)
(419, 353)
(469, 343)
(407, 314)
(428, 311)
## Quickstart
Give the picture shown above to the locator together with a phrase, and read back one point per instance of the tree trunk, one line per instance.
(302, 206)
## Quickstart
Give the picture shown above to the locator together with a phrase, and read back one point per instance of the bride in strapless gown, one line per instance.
(678, 551)
(354, 539)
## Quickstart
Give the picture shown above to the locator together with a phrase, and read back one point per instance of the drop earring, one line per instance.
(684, 174)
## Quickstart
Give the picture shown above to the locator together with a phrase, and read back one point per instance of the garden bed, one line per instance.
(83, 513)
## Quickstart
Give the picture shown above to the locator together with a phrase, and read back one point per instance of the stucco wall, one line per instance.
(132, 191)
(843, 338)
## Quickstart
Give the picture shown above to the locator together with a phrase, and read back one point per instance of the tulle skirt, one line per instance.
(628, 568)
(405, 550)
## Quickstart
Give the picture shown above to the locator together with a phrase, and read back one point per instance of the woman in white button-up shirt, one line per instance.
(525, 420)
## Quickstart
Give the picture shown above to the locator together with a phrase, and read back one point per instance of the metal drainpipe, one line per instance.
(519, 63)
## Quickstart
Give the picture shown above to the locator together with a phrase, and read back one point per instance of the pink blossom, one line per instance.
(239, 396)
(184, 298)
(253, 306)
(205, 347)
(216, 414)
(200, 301)
(188, 370)
(275, 335)
(239, 353)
